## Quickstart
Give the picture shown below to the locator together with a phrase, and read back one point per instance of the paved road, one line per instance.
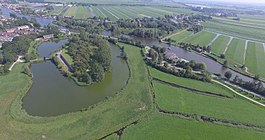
(231, 38)
(18, 60)
(217, 35)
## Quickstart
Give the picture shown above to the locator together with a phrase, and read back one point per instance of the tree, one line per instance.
(225, 64)
(222, 56)
(228, 75)
(86, 78)
(97, 72)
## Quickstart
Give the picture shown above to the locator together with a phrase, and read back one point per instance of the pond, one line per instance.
(53, 94)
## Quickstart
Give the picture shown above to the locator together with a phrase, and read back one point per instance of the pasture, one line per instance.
(83, 12)
(202, 38)
(71, 12)
(233, 109)
(255, 58)
(178, 37)
(235, 52)
(168, 127)
(219, 45)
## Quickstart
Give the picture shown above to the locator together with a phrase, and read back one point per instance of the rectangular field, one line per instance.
(83, 12)
(166, 127)
(180, 36)
(199, 85)
(235, 52)
(219, 45)
(255, 59)
(235, 109)
(71, 12)
(202, 38)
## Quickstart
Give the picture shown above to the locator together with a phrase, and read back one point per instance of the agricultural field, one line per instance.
(178, 37)
(71, 12)
(233, 109)
(235, 29)
(202, 38)
(130, 12)
(235, 52)
(219, 45)
(168, 127)
(83, 12)
(255, 58)
(199, 85)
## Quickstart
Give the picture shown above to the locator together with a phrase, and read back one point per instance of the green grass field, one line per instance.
(105, 118)
(179, 37)
(71, 12)
(236, 30)
(255, 59)
(235, 52)
(202, 38)
(130, 12)
(235, 109)
(170, 127)
(83, 12)
(219, 45)
(195, 84)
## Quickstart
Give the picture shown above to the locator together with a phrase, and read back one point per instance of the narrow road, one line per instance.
(245, 53)
(256, 102)
(217, 35)
(18, 60)
(231, 38)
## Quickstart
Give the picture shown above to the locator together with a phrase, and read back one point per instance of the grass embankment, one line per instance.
(202, 38)
(179, 100)
(67, 57)
(170, 127)
(255, 59)
(131, 104)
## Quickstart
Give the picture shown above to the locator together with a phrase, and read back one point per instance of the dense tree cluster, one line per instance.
(91, 57)
(19, 46)
(255, 85)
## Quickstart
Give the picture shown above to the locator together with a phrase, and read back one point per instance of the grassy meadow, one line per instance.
(202, 38)
(219, 45)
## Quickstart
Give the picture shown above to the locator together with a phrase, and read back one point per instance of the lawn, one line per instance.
(220, 44)
(202, 38)
(235, 52)
(195, 84)
(83, 12)
(98, 121)
(235, 109)
(255, 59)
(179, 37)
(163, 127)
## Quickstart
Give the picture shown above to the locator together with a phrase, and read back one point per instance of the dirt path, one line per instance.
(245, 53)
(217, 35)
(231, 38)
(18, 60)
(256, 102)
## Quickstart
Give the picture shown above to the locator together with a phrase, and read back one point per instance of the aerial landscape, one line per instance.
(132, 69)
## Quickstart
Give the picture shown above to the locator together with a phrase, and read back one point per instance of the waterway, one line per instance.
(53, 94)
